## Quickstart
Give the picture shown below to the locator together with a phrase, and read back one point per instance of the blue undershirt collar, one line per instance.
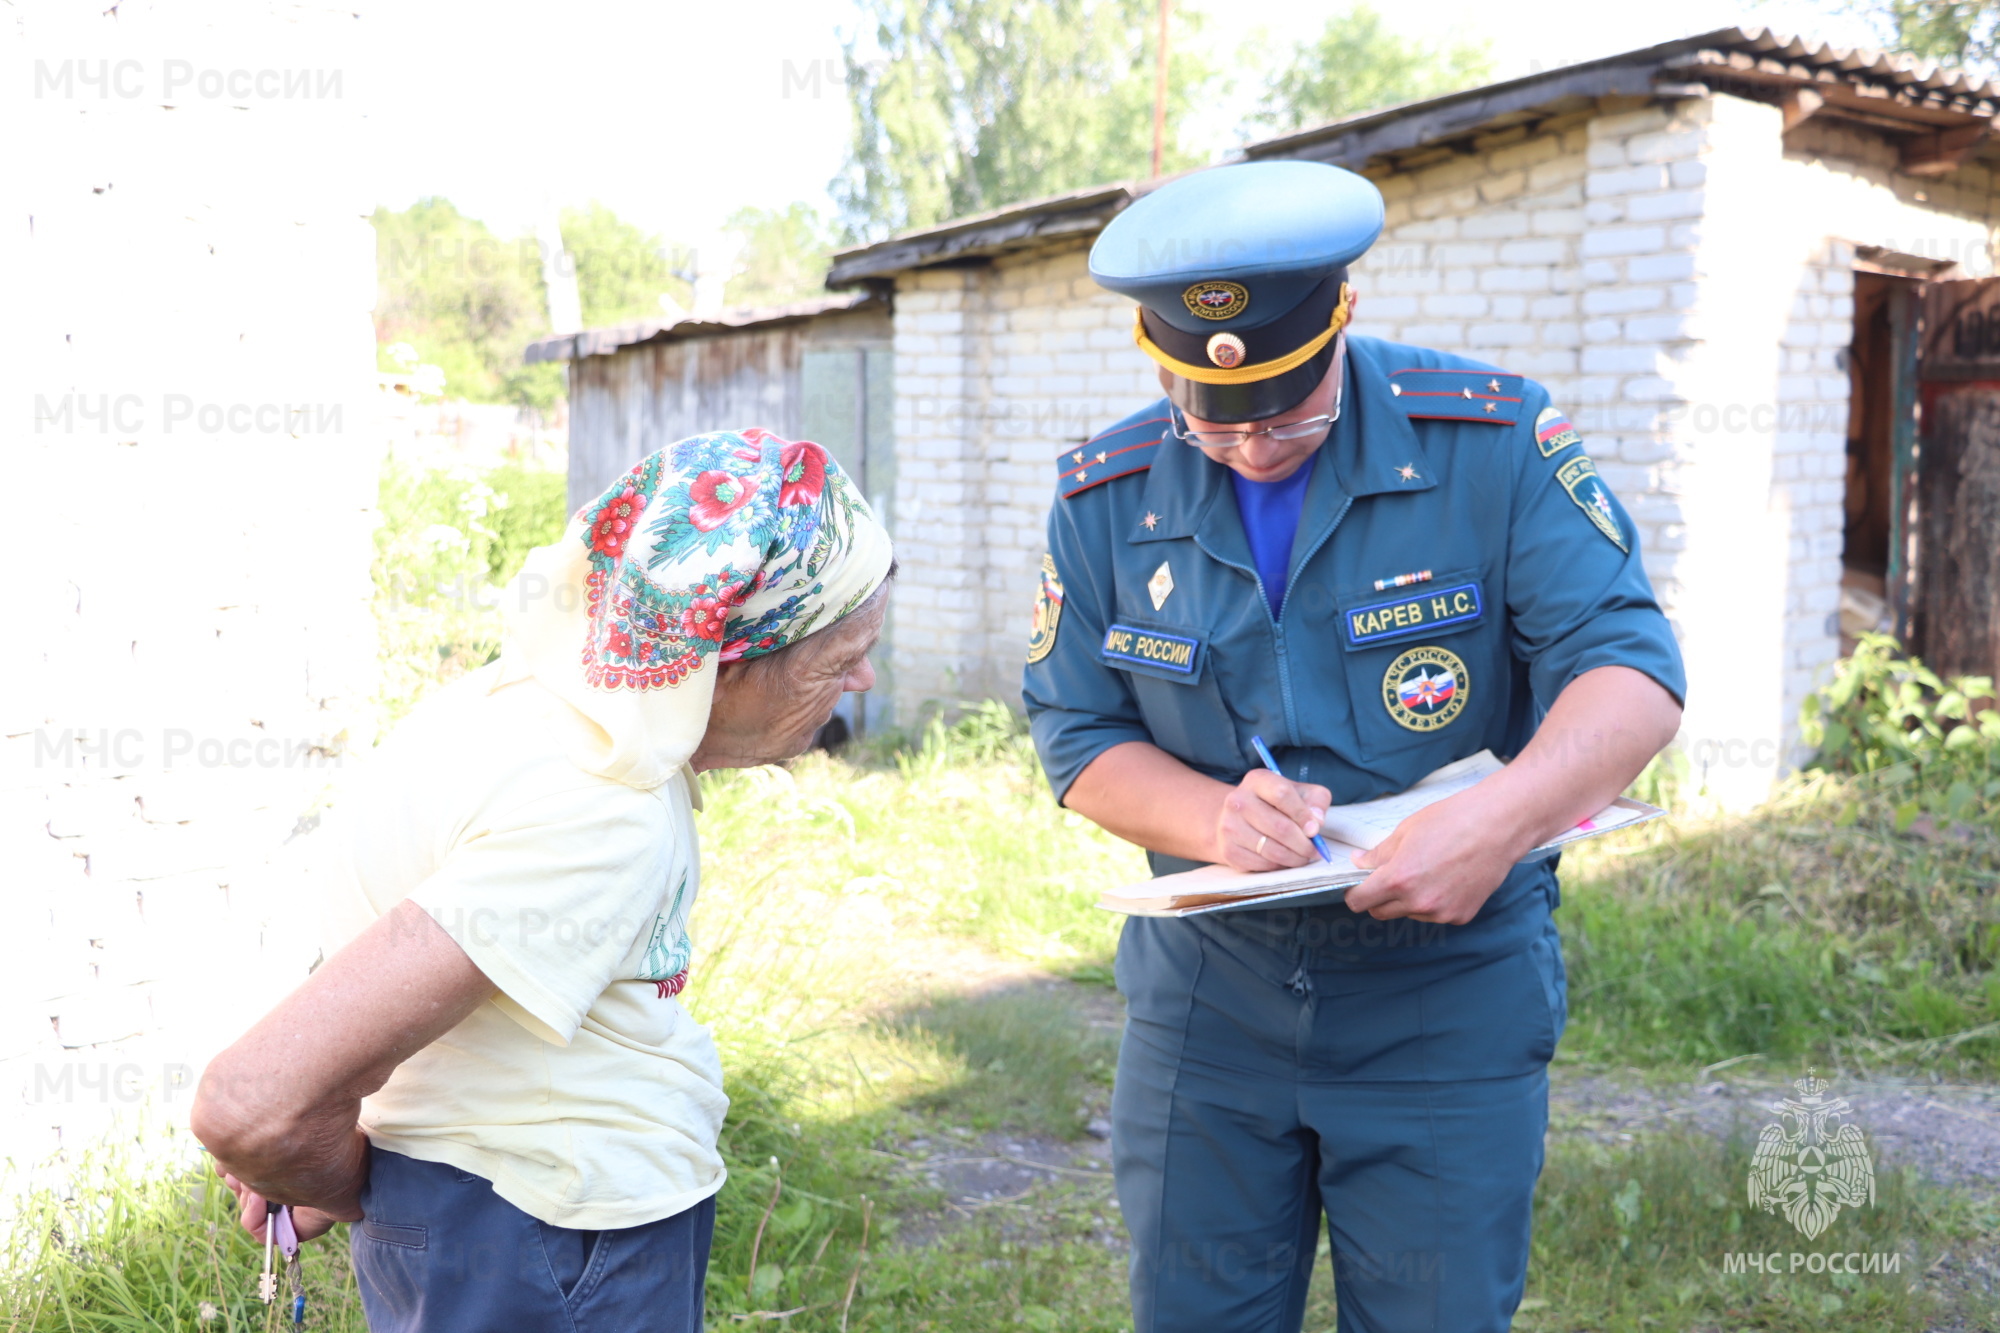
(1270, 511)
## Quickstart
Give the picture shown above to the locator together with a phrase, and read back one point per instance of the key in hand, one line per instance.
(287, 1235)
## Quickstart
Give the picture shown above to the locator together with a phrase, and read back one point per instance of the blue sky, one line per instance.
(675, 113)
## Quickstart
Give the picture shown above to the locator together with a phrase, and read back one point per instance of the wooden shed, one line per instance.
(817, 370)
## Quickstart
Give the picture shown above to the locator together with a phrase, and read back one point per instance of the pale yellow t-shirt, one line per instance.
(583, 1091)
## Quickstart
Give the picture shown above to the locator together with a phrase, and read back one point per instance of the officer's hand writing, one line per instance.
(1267, 822)
(1441, 864)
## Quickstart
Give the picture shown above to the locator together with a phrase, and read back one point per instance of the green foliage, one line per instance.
(1934, 743)
(449, 540)
(1952, 32)
(970, 105)
(1358, 64)
(621, 271)
(466, 300)
(784, 256)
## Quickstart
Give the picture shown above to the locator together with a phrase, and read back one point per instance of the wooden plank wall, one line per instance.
(641, 398)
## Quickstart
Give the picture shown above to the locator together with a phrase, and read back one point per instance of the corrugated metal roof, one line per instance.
(1892, 92)
(603, 342)
(1737, 60)
(1076, 212)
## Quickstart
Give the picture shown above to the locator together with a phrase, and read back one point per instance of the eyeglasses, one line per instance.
(1231, 439)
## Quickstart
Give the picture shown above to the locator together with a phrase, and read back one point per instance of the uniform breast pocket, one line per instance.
(1422, 662)
(1173, 680)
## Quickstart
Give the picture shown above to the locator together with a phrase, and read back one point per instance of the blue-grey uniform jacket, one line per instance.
(1458, 562)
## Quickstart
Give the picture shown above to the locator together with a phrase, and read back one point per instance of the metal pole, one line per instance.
(1160, 94)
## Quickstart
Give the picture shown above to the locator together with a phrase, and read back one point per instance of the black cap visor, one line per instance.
(1234, 404)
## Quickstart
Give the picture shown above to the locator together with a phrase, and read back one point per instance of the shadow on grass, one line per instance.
(1035, 1060)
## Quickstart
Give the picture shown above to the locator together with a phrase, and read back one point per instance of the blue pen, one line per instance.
(1264, 753)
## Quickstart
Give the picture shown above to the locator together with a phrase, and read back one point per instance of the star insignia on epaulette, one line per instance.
(1407, 472)
(1493, 386)
(1493, 407)
(1466, 392)
(1101, 455)
(1396, 389)
(1082, 477)
(1151, 520)
(1078, 456)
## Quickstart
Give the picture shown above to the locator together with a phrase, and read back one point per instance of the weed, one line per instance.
(449, 540)
(1894, 721)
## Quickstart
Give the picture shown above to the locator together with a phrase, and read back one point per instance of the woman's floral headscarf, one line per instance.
(720, 547)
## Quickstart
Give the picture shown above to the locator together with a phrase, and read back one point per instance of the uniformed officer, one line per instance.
(1380, 559)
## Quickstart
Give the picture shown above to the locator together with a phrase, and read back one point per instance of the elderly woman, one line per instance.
(508, 920)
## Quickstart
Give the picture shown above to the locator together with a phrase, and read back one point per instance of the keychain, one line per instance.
(280, 1235)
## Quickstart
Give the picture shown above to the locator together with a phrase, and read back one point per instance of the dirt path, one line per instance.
(1949, 1132)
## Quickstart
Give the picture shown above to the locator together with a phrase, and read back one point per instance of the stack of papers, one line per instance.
(1348, 829)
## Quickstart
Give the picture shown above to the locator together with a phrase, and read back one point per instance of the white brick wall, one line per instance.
(187, 587)
(997, 369)
(1679, 280)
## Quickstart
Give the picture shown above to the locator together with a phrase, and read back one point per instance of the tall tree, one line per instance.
(1357, 64)
(466, 300)
(621, 269)
(966, 105)
(784, 255)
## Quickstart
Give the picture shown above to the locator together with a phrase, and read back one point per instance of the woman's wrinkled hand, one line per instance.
(1267, 822)
(310, 1223)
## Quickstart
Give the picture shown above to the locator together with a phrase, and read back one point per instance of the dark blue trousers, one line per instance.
(440, 1252)
(1281, 1065)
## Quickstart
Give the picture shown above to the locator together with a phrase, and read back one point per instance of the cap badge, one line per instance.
(1226, 350)
(1217, 300)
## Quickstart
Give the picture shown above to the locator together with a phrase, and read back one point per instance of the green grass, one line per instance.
(1638, 1237)
(1809, 930)
(129, 1245)
(873, 938)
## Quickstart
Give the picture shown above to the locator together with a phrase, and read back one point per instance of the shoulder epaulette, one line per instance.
(1118, 452)
(1458, 395)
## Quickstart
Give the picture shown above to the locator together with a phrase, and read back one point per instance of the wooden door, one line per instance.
(1951, 513)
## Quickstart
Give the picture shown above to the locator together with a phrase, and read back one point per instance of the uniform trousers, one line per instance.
(1315, 1062)
(439, 1252)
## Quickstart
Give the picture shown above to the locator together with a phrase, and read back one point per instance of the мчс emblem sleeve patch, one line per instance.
(1048, 613)
(1579, 477)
